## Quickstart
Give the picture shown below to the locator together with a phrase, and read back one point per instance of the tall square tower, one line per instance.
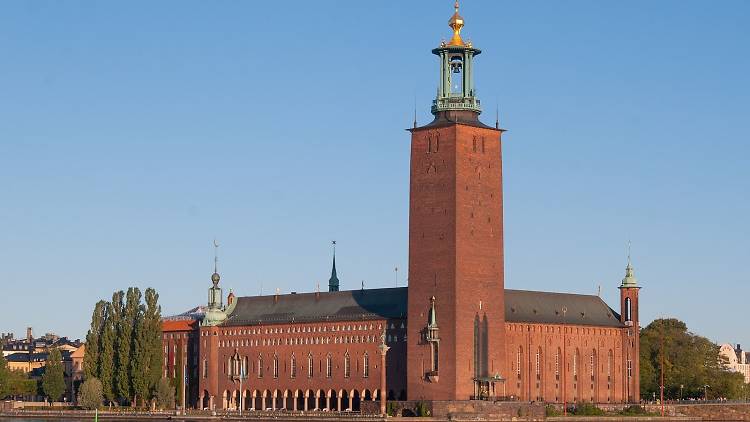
(455, 343)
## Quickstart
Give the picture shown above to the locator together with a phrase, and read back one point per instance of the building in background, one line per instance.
(737, 360)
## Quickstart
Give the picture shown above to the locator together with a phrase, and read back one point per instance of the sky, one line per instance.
(132, 134)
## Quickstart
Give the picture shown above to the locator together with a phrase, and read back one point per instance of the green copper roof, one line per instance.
(629, 280)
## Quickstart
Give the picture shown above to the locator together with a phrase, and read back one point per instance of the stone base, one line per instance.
(462, 409)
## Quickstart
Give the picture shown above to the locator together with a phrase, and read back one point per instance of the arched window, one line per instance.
(329, 366)
(628, 315)
(609, 365)
(557, 364)
(260, 366)
(347, 365)
(575, 366)
(592, 364)
(518, 362)
(275, 366)
(293, 367)
(538, 364)
(366, 365)
(310, 365)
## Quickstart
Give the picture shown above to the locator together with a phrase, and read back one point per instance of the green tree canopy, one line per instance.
(91, 357)
(689, 361)
(90, 395)
(53, 380)
(165, 394)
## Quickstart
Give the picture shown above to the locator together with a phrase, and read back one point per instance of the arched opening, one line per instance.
(299, 400)
(367, 395)
(311, 401)
(333, 400)
(267, 400)
(278, 402)
(206, 400)
(258, 400)
(356, 399)
(346, 404)
(289, 400)
(322, 400)
(248, 402)
(225, 398)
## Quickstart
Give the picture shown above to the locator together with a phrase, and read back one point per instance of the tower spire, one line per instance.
(333, 282)
(629, 280)
(215, 276)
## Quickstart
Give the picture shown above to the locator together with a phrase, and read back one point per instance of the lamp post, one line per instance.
(241, 377)
(681, 387)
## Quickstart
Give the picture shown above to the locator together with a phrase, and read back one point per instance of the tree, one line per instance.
(139, 367)
(106, 354)
(90, 395)
(689, 360)
(165, 394)
(153, 338)
(91, 358)
(122, 329)
(4, 377)
(53, 381)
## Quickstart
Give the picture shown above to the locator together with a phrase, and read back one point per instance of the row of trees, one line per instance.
(123, 346)
(14, 383)
(690, 363)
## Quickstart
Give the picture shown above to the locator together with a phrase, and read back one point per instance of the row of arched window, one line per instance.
(237, 366)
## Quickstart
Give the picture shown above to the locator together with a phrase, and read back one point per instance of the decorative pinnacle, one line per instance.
(215, 276)
(456, 22)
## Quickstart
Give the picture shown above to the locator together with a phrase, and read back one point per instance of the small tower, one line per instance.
(432, 336)
(215, 313)
(629, 291)
(456, 87)
(333, 282)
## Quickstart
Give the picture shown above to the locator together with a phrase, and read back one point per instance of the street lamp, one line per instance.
(241, 377)
(681, 387)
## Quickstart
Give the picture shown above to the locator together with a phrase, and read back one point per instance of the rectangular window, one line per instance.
(366, 366)
(205, 368)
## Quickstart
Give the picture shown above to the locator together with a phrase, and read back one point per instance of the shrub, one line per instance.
(586, 409)
(550, 410)
(391, 409)
(90, 395)
(421, 409)
(165, 394)
(634, 411)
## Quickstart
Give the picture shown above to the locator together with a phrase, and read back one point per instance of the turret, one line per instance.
(215, 313)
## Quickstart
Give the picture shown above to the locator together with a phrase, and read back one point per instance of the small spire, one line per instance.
(629, 280)
(432, 317)
(497, 116)
(415, 112)
(215, 276)
(333, 282)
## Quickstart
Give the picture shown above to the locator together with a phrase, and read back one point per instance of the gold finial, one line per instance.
(456, 23)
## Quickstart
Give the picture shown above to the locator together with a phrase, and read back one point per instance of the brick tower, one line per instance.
(629, 316)
(456, 311)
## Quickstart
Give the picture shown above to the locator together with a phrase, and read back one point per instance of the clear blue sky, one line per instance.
(131, 134)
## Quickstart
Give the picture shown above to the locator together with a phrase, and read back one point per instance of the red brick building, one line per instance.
(455, 333)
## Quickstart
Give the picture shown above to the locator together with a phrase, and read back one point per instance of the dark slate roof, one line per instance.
(547, 307)
(323, 306)
(520, 306)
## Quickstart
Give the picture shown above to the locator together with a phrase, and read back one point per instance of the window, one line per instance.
(557, 364)
(310, 366)
(435, 356)
(628, 316)
(591, 366)
(275, 366)
(630, 368)
(518, 362)
(609, 365)
(293, 365)
(347, 366)
(260, 366)
(575, 366)
(329, 366)
(538, 363)
(366, 365)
